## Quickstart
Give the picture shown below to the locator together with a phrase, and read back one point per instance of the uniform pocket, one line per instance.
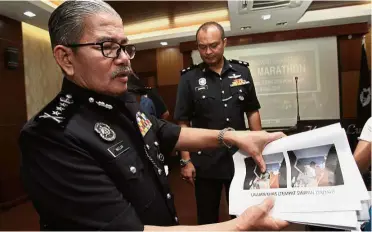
(203, 101)
(127, 171)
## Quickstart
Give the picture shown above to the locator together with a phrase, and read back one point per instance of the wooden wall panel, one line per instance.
(9, 30)
(349, 88)
(12, 113)
(144, 61)
(169, 64)
(348, 48)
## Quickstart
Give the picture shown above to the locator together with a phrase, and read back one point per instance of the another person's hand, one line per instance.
(188, 173)
(258, 218)
(253, 142)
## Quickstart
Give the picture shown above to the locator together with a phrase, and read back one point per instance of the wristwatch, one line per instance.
(184, 162)
(221, 139)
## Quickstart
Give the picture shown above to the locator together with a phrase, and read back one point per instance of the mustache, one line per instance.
(122, 70)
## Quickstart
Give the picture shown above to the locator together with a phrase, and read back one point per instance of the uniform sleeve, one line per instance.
(184, 104)
(69, 189)
(251, 102)
(167, 133)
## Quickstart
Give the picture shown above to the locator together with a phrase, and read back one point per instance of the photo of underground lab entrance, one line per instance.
(274, 177)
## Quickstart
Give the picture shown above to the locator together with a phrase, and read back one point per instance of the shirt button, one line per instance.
(220, 79)
(161, 157)
(133, 169)
(227, 119)
(156, 143)
(240, 90)
(176, 219)
(199, 152)
(160, 171)
(222, 91)
(203, 96)
(225, 105)
(148, 147)
(91, 100)
(169, 196)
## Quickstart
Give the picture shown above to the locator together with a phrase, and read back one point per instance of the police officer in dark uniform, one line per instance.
(215, 95)
(91, 160)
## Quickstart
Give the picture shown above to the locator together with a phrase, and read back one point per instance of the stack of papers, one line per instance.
(313, 177)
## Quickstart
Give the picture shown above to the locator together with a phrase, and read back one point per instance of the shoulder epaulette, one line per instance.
(239, 62)
(59, 111)
(183, 71)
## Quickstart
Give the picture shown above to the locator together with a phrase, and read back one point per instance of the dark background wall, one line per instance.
(12, 113)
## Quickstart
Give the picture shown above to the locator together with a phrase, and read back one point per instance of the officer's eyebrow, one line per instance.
(110, 39)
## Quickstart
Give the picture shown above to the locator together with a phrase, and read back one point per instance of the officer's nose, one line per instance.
(123, 58)
(208, 51)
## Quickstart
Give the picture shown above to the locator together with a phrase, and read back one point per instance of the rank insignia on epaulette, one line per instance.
(144, 124)
(57, 113)
(239, 62)
(183, 71)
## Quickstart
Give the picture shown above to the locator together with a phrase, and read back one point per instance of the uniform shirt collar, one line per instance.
(86, 95)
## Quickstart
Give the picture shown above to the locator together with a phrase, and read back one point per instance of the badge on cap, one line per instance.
(104, 131)
(202, 81)
(144, 124)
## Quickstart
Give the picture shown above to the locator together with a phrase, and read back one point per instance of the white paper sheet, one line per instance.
(312, 175)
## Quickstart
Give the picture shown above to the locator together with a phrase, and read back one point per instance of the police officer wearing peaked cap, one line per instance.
(214, 95)
(91, 160)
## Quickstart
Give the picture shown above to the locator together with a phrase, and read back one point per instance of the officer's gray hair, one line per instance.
(67, 22)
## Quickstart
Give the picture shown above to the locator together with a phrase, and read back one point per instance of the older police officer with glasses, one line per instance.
(94, 161)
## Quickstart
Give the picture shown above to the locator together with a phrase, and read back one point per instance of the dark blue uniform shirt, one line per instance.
(93, 162)
(213, 101)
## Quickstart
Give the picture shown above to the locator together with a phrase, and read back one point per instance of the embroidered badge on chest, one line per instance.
(144, 124)
(238, 82)
(105, 131)
(202, 81)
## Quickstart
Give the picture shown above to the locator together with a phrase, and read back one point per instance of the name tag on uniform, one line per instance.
(144, 124)
(238, 82)
(198, 88)
(118, 149)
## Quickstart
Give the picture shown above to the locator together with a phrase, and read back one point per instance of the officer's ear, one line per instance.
(224, 42)
(63, 56)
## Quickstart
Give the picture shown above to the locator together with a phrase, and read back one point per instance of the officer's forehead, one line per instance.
(105, 25)
(210, 31)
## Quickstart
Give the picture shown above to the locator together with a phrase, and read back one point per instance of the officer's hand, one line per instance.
(257, 218)
(253, 142)
(188, 173)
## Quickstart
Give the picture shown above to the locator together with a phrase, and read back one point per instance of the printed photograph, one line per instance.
(315, 167)
(274, 177)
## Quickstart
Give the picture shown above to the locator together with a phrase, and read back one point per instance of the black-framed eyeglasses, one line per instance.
(110, 49)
